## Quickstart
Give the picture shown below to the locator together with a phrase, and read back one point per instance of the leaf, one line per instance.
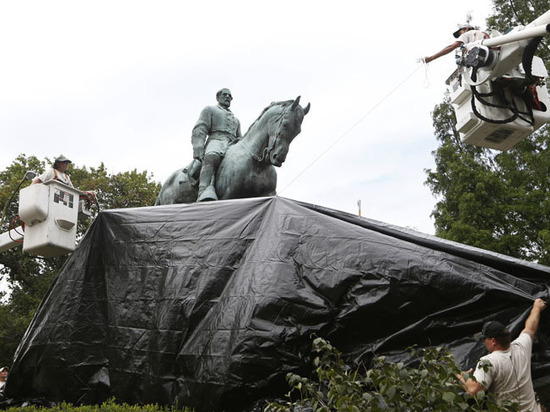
(407, 387)
(449, 397)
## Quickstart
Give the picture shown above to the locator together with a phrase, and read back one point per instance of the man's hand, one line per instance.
(532, 322)
(539, 304)
(198, 152)
(471, 386)
(461, 377)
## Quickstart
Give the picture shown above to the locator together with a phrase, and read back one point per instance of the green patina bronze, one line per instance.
(234, 166)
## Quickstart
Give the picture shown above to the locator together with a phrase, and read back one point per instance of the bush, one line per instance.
(109, 406)
(432, 386)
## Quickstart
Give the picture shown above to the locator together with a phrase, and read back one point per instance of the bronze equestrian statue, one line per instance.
(247, 168)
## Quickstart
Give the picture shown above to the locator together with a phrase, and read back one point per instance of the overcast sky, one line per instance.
(123, 83)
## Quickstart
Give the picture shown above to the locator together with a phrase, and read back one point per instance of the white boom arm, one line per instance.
(10, 239)
(526, 34)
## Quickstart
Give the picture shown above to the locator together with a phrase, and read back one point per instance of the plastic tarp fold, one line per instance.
(210, 305)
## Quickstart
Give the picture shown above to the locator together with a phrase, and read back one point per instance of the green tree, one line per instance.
(511, 13)
(29, 277)
(496, 201)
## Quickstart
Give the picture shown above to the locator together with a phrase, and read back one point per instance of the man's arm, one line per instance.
(200, 131)
(44, 177)
(471, 386)
(532, 322)
(443, 52)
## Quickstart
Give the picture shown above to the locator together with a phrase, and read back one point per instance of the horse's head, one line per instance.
(283, 128)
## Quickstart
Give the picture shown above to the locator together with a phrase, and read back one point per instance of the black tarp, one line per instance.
(210, 305)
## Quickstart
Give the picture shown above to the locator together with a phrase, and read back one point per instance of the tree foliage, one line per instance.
(388, 386)
(498, 201)
(511, 13)
(29, 277)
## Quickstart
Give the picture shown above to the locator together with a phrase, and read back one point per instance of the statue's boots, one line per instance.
(206, 180)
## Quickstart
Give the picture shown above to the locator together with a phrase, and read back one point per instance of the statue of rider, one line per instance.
(222, 128)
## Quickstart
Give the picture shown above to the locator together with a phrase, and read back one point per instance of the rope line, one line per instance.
(353, 126)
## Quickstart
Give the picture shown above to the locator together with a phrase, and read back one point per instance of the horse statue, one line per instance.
(247, 169)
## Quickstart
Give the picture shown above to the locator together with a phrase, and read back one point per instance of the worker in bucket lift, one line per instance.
(57, 172)
(466, 33)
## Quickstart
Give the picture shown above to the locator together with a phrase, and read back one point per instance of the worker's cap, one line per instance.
(4, 368)
(494, 329)
(62, 159)
(460, 27)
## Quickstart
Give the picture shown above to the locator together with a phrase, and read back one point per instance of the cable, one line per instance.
(426, 77)
(28, 176)
(527, 57)
(511, 106)
(12, 227)
(352, 127)
(494, 121)
(94, 200)
(15, 229)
